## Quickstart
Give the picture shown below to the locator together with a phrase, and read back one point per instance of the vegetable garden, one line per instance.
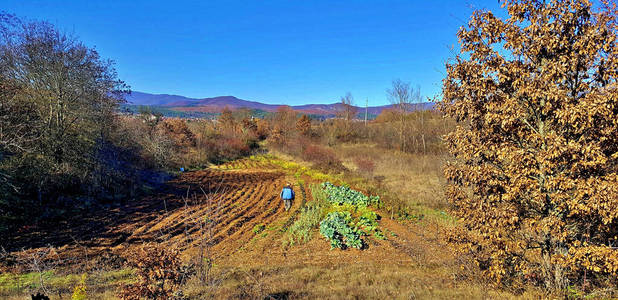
(344, 216)
(348, 219)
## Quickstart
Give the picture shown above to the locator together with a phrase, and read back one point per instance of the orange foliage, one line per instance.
(534, 178)
(387, 115)
(178, 131)
(303, 125)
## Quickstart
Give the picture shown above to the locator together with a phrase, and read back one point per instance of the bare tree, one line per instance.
(39, 261)
(418, 100)
(283, 123)
(57, 101)
(402, 96)
(347, 110)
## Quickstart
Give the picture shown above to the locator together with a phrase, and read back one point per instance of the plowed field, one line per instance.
(226, 203)
(221, 207)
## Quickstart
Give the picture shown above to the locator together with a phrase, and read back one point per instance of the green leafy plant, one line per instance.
(308, 219)
(368, 221)
(336, 227)
(341, 214)
(348, 217)
(345, 195)
(311, 213)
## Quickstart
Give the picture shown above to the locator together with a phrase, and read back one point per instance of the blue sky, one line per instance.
(280, 52)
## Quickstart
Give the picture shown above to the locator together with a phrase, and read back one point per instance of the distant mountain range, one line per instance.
(217, 104)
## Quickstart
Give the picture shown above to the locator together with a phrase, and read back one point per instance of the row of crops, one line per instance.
(340, 195)
(349, 220)
(343, 215)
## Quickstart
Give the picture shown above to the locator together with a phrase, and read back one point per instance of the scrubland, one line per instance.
(507, 189)
(224, 218)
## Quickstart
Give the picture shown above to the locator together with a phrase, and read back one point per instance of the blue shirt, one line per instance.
(287, 193)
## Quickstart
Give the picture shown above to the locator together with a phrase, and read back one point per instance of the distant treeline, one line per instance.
(256, 113)
(164, 111)
(171, 113)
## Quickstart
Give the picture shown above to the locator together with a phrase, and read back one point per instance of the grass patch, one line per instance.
(21, 284)
(298, 169)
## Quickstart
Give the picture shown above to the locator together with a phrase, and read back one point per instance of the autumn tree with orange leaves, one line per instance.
(534, 173)
(303, 125)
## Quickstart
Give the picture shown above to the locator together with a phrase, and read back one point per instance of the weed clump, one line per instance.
(160, 274)
(79, 292)
(309, 218)
(258, 228)
(365, 165)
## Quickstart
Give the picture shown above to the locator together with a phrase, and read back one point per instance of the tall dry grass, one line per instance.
(362, 280)
(415, 178)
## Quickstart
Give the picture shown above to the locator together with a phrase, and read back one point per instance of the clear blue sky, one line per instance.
(290, 52)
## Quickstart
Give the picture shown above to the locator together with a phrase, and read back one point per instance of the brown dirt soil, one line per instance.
(240, 200)
(412, 262)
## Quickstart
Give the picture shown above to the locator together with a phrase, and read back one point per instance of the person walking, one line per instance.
(287, 195)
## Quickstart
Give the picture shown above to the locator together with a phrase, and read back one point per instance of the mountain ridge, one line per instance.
(217, 104)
